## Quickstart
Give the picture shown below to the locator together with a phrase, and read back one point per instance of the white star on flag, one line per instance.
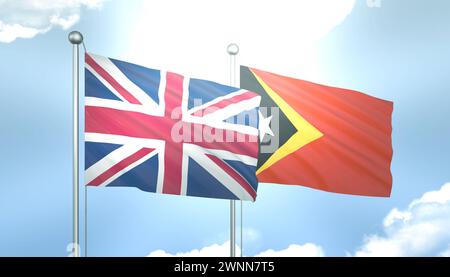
(264, 126)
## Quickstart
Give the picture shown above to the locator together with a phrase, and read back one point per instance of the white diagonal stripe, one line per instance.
(216, 100)
(233, 109)
(217, 172)
(109, 161)
(130, 167)
(104, 82)
(126, 83)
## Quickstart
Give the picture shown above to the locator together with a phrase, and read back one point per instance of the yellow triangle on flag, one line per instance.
(306, 132)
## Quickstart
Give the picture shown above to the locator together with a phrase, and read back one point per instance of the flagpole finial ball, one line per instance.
(75, 37)
(233, 49)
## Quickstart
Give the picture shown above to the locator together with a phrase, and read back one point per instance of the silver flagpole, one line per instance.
(242, 216)
(75, 38)
(233, 50)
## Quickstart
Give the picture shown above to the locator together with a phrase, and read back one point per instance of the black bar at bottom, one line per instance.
(221, 266)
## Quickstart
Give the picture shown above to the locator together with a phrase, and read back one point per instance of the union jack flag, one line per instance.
(165, 133)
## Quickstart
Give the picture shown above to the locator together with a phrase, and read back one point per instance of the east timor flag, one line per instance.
(326, 138)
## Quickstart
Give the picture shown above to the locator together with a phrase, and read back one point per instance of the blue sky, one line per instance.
(397, 51)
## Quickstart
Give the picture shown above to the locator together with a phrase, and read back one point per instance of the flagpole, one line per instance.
(76, 38)
(241, 225)
(233, 50)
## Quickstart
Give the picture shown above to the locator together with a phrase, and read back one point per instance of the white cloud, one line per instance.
(396, 215)
(215, 250)
(223, 250)
(250, 235)
(422, 229)
(441, 196)
(64, 23)
(28, 18)
(9, 32)
(295, 250)
(445, 253)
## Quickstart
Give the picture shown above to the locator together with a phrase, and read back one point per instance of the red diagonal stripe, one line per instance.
(226, 102)
(120, 166)
(102, 72)
(235, 175)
